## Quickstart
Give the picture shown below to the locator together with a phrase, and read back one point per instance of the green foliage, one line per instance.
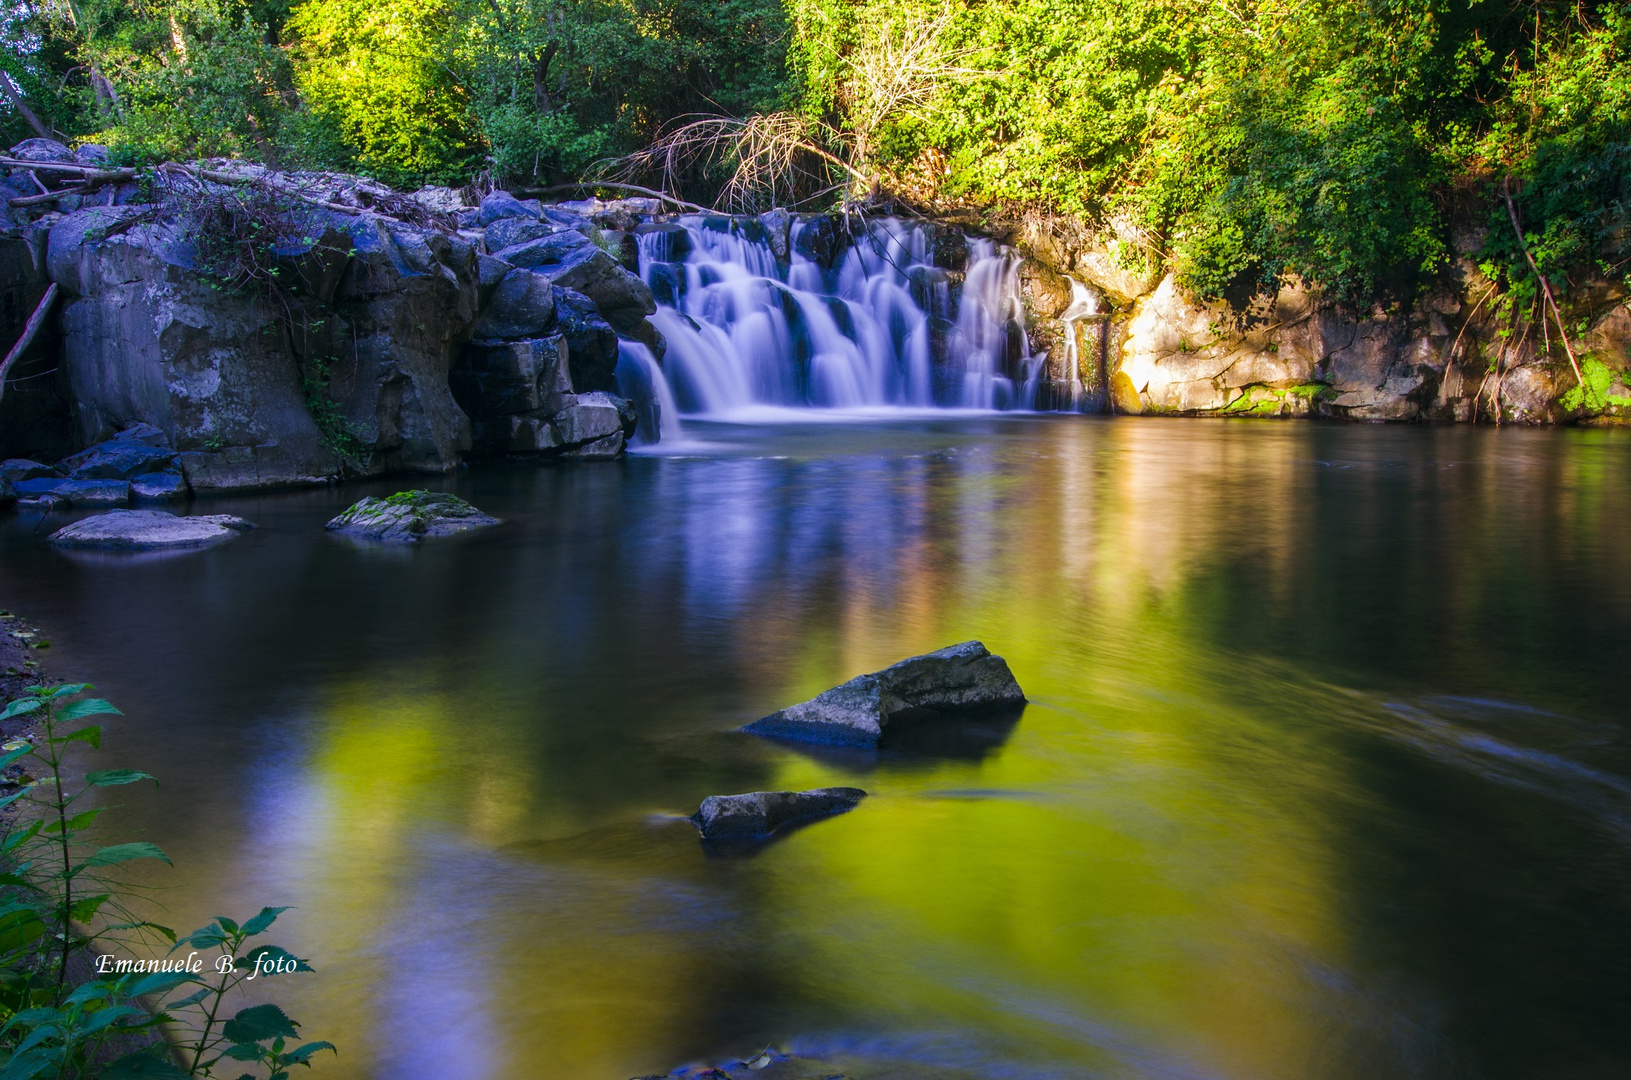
(1592, 395)
(339, 434)
(56, 900)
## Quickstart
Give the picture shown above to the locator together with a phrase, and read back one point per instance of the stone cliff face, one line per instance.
(1444, 358)
(378, 345)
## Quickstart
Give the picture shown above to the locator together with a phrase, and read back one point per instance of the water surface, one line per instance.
(1326, 772)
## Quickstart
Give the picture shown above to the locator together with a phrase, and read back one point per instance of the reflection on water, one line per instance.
(1325, 774)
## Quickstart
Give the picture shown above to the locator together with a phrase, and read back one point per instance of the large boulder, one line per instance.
(409, 517)
(503, 384)
(501, 204)
(15, 469)
(511, 231)
(758, 814)
(522, 306)
(959, 679)
(143, 530)
(117, 459)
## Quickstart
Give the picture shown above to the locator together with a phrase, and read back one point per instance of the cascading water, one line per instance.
(880, 327)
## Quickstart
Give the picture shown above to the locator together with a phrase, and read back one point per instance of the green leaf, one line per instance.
(85, 907)
(257, 1024)
(191, 999)
(78, 710)
(19, 929)
(227, 924)
(301, 1055)
(159, 982)
(13, 755)
(267, 916)
(115, 777)
(142, 1065)
(21, 706)
(28, 1065)
(92, 735)
(244, 1052)
(122, 853)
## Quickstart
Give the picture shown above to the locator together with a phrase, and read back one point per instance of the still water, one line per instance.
(1326, 773)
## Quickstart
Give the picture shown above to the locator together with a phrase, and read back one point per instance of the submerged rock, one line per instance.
(957, 679)
(145, 530)
(410, 516)
(757, 814)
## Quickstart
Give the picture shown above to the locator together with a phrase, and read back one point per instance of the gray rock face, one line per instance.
(758, 814)
(158, 487)
(144, 530)
(408, 517)
(822, 238)
(591, 342)
(572, 261)
(522, 306)
(959, 679)
(510, 231)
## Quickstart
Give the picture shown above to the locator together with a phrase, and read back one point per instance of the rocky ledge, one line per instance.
(409, 517)
(148, 530)
(956, 680)
(758, 814)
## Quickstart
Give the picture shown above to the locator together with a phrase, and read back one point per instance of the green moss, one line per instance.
(1592, 395)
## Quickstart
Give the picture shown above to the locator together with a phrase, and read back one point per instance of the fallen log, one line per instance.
(30, 329)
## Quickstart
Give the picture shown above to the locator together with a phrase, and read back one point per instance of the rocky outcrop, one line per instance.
(148, 530)
(955, 680)
(1441, 358)
(758, 814)
(344, 361)
(136, 463)
(409, 517)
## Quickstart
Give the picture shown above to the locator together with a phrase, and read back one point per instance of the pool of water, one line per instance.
(1326, 771)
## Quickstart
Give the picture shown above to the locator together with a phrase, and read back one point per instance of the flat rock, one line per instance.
(146, 530)
(19, 469)
(118, 460)
(757, 814)
(78, 492)
(409, 516)
(958, 679)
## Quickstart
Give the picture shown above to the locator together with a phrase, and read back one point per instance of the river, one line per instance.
(1326, 772)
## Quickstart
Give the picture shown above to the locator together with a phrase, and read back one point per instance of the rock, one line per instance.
(778, 224)
(758, 814)
(143, 530)
(438, 200)
(78, 492)
(591, 342)
(501, 204)
(43, 151)
(522, 306)
(958, 679)
(158, 486)
(42, 503)
(671, 242)
(117, 460)
(1045, 291)
(15, 469)
(92, 154)
(572, 261)
(498, 381)
(409, 516)
(510, 232)
(822, 239)
(593, 417)
(8, 494)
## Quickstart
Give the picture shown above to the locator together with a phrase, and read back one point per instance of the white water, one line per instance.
(748, 337)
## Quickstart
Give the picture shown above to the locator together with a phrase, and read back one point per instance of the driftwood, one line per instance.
(590, 185)
(30, 329)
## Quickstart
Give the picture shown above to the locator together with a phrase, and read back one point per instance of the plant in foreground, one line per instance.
(66, 1009)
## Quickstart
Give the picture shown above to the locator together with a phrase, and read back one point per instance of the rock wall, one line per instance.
(1446, 357)
(378, 345)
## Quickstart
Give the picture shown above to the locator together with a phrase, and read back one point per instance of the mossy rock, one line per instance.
(409, 516)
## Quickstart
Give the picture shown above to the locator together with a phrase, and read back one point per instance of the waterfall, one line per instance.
(1084, 304)
(879, 326)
